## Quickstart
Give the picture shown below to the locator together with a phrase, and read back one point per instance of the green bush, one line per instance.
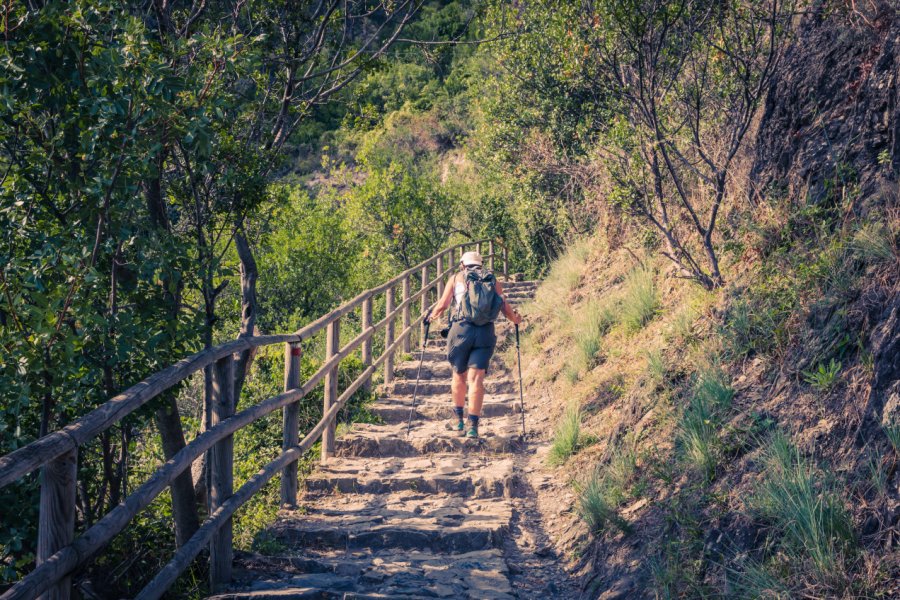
(566, 437)
(640, 302)
(814, 524)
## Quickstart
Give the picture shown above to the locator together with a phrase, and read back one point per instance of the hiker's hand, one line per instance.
(516, 317)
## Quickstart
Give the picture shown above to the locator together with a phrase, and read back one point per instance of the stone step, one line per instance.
(433, 387)
(498, 435)
(471, 476)
(396, 409)
(372, 574)
(400, 520)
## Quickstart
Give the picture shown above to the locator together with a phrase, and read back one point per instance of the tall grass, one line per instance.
(640, 301)
(656, 367)
(564, 275)
(815, 525)
(872, 242)
(754, 581)
(892, 432)
(589, 326)
(566, 437)
(698, 431)
(604, 490)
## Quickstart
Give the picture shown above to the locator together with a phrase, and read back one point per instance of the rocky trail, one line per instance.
(429, 515)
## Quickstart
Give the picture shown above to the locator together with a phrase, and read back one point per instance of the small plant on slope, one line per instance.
(892, 432)
(590, 325)
(566, 438)
(824, 377)
(814, 524)
(698, 431)
(641, 300)
(605, 489)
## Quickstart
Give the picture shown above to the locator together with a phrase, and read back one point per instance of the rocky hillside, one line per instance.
(744, 443)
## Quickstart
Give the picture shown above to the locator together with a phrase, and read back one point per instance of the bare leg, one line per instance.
(458, 389)
(476, 391)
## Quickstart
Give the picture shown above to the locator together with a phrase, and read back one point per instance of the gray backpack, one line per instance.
(481, 303)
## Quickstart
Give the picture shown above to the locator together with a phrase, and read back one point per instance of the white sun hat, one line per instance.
(471, 258)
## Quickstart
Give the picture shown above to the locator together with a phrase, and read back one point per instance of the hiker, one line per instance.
(471, 339)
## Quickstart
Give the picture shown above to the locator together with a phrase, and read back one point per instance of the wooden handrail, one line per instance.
(50, 448)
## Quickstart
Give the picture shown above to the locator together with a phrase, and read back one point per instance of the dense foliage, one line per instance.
(175, 174)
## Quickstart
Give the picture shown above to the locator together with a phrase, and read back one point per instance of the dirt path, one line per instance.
(429, 515)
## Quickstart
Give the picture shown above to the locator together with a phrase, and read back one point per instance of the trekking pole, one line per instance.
(412, 408)
(521, 395)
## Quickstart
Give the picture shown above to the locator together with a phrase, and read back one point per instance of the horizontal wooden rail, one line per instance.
(56, 567)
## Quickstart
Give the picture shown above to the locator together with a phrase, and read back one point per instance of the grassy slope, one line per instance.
(717, 454)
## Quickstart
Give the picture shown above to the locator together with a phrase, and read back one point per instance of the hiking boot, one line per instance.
(460, 428)
(472, 433)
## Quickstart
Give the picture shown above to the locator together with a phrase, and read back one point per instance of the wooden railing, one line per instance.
(60, 553)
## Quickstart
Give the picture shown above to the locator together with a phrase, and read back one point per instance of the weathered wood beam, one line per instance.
(291, 423)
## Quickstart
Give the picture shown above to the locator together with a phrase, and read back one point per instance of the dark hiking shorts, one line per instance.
(470, 346)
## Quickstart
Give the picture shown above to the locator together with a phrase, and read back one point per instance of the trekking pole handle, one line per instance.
(517, 335)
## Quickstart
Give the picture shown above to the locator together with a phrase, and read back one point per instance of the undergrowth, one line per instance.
(814, 526)
(640, 301)
(566, 437)
(702, 420)
(605, 489)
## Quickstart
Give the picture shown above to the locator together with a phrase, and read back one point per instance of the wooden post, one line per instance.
(440, 276)
(478, 247)
(56, 523)
(505, 264)
(366, 350)
(221, 463)
(424, 302)
(389, 336)
(462, 250)
(405, 314)
(293, 352)
(491, 257)
(332, 345)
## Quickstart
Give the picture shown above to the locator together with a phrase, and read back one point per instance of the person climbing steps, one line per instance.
(471, 340)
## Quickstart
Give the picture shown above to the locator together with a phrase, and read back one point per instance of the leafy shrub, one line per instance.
(566, 437)
(812, 519)
(824, 377)
(640, 302)
(698, 431)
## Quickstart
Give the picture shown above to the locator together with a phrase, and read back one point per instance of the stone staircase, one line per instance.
(391, 516)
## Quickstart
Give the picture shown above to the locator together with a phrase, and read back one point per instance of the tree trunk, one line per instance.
(184, 507)
(249, 308)
(168, 419)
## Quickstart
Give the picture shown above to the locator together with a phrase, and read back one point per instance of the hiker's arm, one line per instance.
(444, 303)
(506, 308)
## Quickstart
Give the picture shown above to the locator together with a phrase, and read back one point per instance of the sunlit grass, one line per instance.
(566, 437)
(640, 301)
(812, 519)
